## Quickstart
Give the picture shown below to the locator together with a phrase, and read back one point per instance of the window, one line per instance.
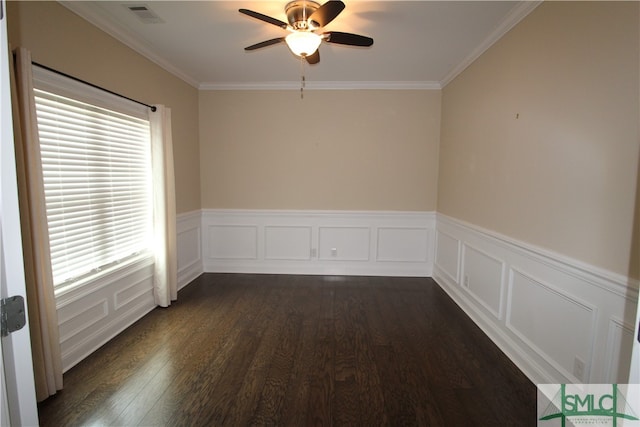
(96, 165)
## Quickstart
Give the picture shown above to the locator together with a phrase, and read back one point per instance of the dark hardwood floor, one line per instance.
(240, 350)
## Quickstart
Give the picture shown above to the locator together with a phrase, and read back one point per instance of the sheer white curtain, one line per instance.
(165, 282)
(41, 305)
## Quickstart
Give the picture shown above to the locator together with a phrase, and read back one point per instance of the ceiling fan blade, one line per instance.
(327, 12)
(265, 43)
(264, 18)
(313, 59)
(347, 38)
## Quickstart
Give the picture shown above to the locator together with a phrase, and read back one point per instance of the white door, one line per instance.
(18, 402)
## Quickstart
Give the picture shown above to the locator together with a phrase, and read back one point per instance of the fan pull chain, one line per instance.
(302, 78)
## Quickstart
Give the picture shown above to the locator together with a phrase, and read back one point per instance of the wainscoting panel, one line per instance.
(619, 346)
(558, 319)
(559, 342)
(291, 243)
(344, 243)
(189, 247)
(131, 292)
(398, 244)
(92, 314)
(318, 242)
(484, 277)
(448, 255)
(232, 241)
(79, 318)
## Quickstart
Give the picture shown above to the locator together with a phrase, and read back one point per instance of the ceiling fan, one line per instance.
(305, 18)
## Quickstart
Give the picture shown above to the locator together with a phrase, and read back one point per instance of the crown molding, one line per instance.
(515, 15)
(129, 39)
(126, 37)
(324, 85)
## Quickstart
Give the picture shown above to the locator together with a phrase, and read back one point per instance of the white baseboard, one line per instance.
(318, 242)
(545, 311)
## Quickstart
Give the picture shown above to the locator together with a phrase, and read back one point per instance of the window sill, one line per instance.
(97, 281)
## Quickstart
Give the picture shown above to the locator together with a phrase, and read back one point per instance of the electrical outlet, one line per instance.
(314, 252)
(466, 281)
(334, 252)
(578, 368)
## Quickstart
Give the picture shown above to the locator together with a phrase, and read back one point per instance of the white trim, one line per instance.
(90, 286)
(354, 234)
(517, 14)
(606, 295)
(323, 85)
(571, 299)
(503, 271)
(518, 355)
(118, 302)
(78, 342)
(613, 282)
(79, 351)
(455, 277)
(622, 326)
(101, 303)
(189, 252)
(295, 213)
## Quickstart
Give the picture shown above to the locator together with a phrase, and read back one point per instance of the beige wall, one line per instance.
(60, 39)
(539, 137)
(333, 150)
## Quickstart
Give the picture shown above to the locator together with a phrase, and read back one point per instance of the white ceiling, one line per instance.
(417, 44)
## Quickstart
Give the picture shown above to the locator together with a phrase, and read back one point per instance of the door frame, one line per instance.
(18, 403)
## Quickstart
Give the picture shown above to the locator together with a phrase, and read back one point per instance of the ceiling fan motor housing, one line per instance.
(298, 13)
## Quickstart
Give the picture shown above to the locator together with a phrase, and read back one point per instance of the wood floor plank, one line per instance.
(213, 361)
(244, 404)
(297, 393)
(242, 349)
(367, 376)
(320, 407)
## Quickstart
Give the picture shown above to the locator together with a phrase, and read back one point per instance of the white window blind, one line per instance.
(96, 168)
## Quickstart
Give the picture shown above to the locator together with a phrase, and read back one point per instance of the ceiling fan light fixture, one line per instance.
(303, 43)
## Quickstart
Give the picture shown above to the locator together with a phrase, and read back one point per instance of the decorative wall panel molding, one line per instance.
(318, 242)
(619, 346)
(448, 255)
(344, 243)
(559, 320)
(94, 313)
(488, 284)
(91, 315)
(232, 241)
(553, 323)
(189, 246)
(81, 318)
(290, 243)
(398, 244)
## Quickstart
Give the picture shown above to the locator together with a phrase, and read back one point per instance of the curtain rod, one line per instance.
(92, 85)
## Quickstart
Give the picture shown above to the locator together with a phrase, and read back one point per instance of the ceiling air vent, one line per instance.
(144, 14)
